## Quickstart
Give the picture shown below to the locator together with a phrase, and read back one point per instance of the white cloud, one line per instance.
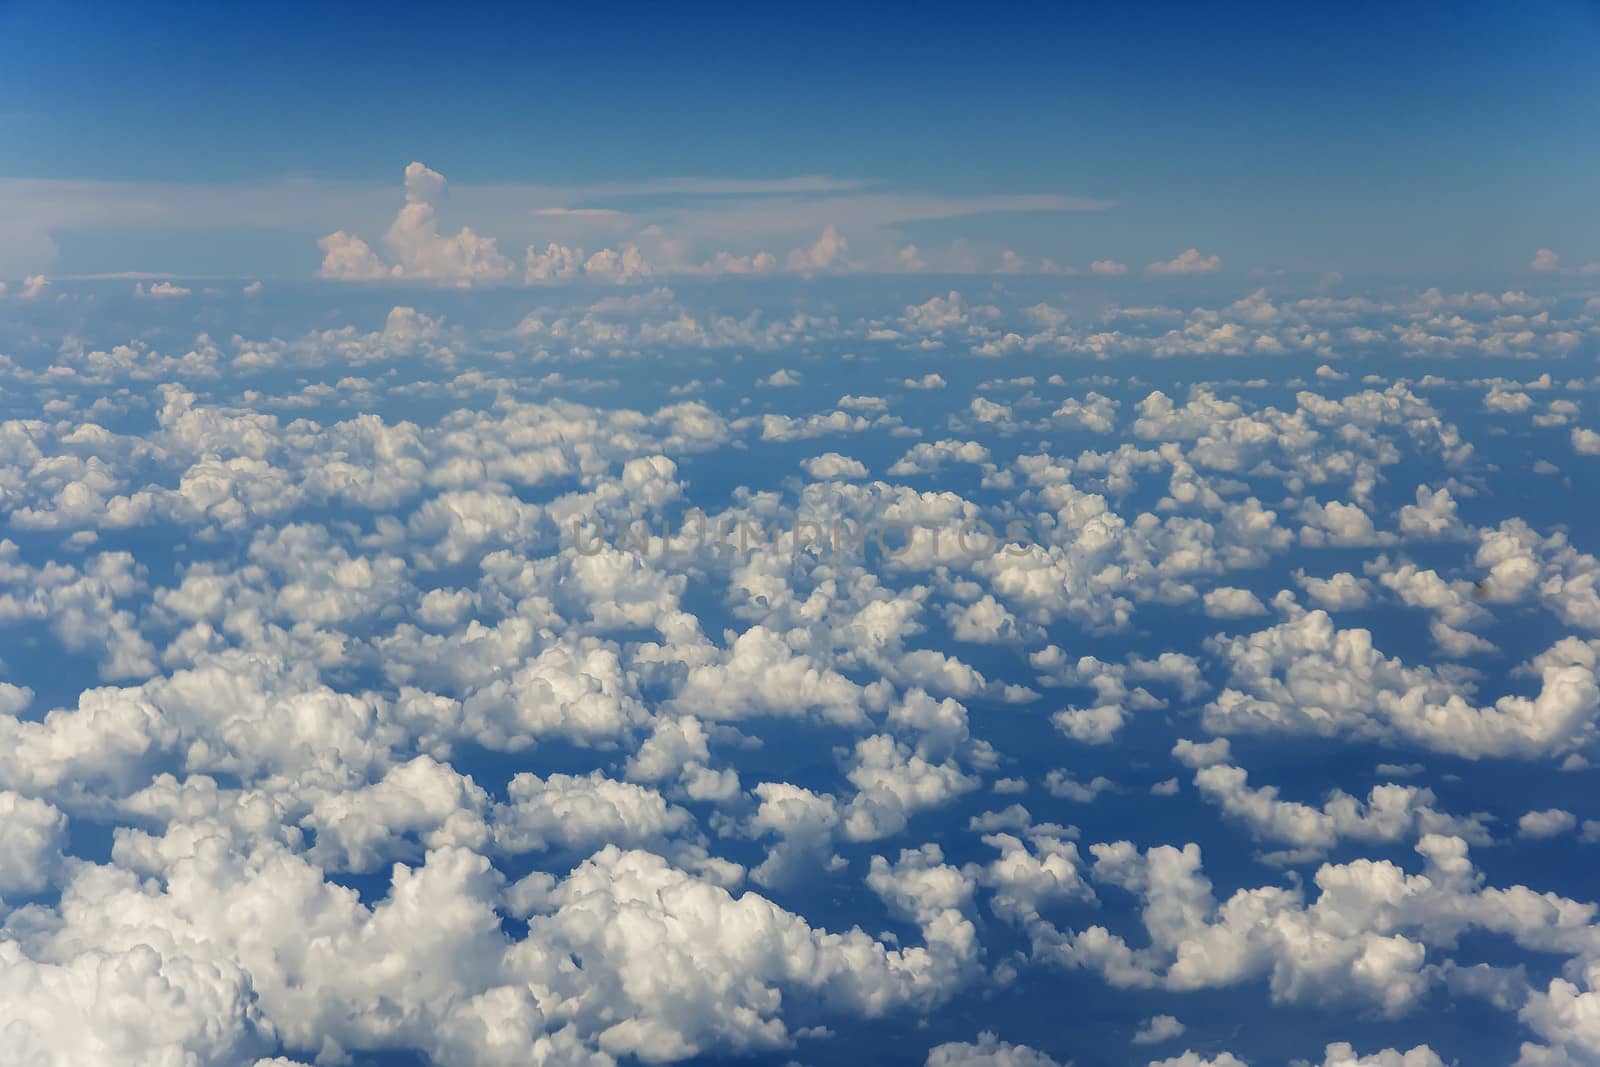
(833, 465)
(1552, 822)
(1158, 1028)
(33, 834)
(1364, 939)
(1060, 783)
(1227, 602)
(825, 254)
(1305, 675)
(583, 813)
(893, 783)
(298, 625)
(780, 379)
(1389, 813)
(1343, 1054)
(1338, 592)
(926, 458)
(161, 290)
(347, 257)
(1433, 517)
(1187, 262)
(987, 1051)
(419, 252)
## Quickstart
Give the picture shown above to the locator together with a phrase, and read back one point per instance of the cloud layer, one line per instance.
(634, 675)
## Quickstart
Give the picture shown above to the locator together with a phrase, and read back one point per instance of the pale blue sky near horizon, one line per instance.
(1399, 139)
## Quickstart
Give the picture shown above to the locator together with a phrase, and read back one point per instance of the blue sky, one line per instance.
(1382, 138)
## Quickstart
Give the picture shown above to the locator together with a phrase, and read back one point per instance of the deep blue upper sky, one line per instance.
(1404, 136)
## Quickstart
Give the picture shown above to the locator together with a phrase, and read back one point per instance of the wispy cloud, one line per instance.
(700, 216)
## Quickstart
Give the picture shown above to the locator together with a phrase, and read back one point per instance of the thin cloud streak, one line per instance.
(36, 213)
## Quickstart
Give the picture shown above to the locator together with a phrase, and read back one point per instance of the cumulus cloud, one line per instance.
(1305, 675)
(418, 251)
(1389, 813)
(833, 465)
(1189, 261)
(385, 687)
(1158, 1028)
(988, 1050)
(1227, 602)
(826, 253)
(1552, 822)
(161, 290)
(1343, 1054)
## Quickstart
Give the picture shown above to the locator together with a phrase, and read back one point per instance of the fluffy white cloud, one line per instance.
(32, 836)
(925, 458)
(1432, 517)
(305, 662)
(418, 251)
(826, 253)
(893, 783)
(1195, 1059)
(1343, 1054)
(1338, 592)
(1551, 822)
(1115, 698)
(1228, 602)
(583, 813)
(1189, 261)
(1389, 813)
(1305, 675)
(1158, 1028)
(1365, 938)
(1519, 564)
(833, 465)
(987, 1051)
